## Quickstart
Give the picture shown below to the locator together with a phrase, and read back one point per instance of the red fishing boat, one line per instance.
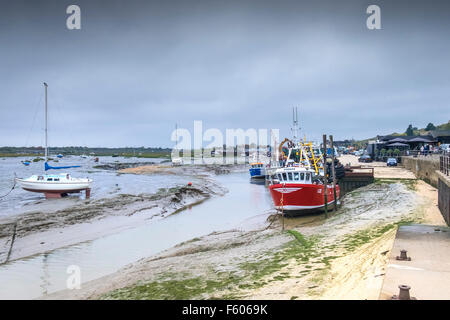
(296, 183)
(299, 189)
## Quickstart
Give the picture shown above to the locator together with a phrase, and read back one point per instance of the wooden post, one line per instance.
(325, 178)
(282, 207)
(333, 172)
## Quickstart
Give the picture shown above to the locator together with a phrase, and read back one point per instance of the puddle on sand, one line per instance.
(246, 205)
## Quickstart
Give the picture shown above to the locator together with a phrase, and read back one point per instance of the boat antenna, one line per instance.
(176, 135)
(46, 121)
(295, 127)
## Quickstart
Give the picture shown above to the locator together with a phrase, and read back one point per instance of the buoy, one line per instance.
(189, 184)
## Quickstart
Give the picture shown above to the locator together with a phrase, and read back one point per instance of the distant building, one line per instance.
(429, 138)
(343, 143)
(441, 136)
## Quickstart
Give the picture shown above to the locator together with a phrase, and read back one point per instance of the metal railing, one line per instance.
(444, 163)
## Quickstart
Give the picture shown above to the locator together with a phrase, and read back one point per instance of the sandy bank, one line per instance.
(342, 257)
(308, 262)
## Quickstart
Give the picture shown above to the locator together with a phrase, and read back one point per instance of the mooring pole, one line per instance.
(282, 207)
(333, 170)
(325, 178)
(46, 122)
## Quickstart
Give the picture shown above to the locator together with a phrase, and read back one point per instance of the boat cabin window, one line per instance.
(284, 176)
(296, 176)
(49, 179)
(56, 179)
(40, 178)
(290, 175)
(307, 176)
(302, 176)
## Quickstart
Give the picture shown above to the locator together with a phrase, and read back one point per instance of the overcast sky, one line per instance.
(138, 67)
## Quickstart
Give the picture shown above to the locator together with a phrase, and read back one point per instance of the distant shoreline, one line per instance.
(125, 155)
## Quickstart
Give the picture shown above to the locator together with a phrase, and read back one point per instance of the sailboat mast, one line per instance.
(46, 121)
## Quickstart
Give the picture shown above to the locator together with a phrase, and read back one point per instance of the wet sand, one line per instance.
(342, 257)
(54, 227)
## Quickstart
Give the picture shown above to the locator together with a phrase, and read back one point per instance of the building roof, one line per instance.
(406, 138)
(440, 133)
(398, 144)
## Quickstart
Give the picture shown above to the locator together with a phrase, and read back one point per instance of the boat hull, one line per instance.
(257, 172)
(54, 187)
(301, 198)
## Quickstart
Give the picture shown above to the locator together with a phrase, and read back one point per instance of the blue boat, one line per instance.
(59, 155)
(26, 162)
(257, 170)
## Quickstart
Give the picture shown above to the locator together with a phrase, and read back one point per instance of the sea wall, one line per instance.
(424, 168)
(444, 195)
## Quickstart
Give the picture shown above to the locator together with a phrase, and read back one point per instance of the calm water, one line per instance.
(107, 183)
(246, 205)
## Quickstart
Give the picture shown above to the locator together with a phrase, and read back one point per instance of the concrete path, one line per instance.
(428, 272)
(381, 170)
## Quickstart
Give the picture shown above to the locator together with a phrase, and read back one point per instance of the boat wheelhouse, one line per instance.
(257, 170)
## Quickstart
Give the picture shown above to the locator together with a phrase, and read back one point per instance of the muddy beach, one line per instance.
(342, 257)
(36, 231)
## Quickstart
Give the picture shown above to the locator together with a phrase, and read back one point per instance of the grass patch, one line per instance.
(192, 288)
(268, 267)
(353, 241)
(253, 274)
(410, 184)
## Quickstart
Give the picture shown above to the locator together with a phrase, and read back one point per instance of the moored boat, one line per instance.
(54, 185)
(296, 184)
(299, 189)
(257, 170)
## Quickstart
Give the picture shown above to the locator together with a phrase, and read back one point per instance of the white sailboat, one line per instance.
(54, 185)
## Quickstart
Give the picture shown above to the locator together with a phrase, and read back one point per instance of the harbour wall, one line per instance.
(444, 195)
(428, 169)
(352, 182)
(424, 168)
